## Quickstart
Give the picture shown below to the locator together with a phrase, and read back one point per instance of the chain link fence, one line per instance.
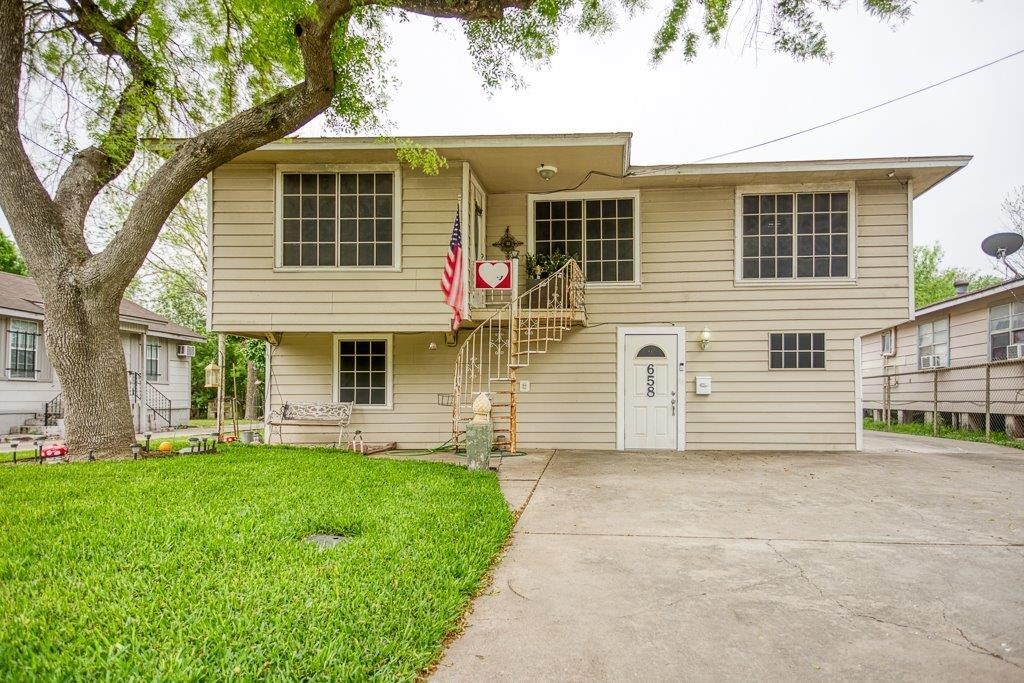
(981, 397)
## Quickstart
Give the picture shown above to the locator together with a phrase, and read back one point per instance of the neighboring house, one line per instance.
(158, 354)
(960, 336)
(333, 251)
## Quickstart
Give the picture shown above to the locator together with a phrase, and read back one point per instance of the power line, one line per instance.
(864, 111)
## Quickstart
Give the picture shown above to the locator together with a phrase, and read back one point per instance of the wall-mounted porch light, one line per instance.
(704, 340)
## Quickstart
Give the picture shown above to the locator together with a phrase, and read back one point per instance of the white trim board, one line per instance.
(620, 403)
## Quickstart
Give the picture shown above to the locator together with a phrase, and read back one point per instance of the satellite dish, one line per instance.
(1002, 244)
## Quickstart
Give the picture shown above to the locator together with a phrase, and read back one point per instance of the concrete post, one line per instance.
(479, 435)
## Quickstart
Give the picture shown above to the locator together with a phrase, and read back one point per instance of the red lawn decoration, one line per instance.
(54, 450)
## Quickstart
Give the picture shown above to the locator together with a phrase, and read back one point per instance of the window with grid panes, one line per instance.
(933, 340)
(23, 345)
(1006, 327)
(795, 234)
(796, 350)
(363, 371)
(599, 233)
(337, 219)
(152, 360)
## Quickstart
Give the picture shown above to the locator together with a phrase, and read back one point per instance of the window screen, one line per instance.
(796, 350)
(337, 219)
(800, 234)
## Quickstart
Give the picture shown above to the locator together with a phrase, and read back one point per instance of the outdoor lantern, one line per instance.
(705, 339)
(212, 376)
(136, 448)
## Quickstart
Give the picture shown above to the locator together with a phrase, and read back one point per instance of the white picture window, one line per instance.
(23, 349)
(1006, 328)
(334, 218)
(363, 370)
(804, 234)
(933, 340)
(599, 230)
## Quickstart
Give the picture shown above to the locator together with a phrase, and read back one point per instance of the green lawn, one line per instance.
(193, 567)
(945, 432)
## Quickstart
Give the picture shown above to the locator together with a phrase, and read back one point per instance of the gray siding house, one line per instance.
(158, 355)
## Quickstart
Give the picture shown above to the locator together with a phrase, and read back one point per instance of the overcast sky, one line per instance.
(736, 96)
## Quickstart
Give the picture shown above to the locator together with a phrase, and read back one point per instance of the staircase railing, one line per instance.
(492, 353)
(53, 410)
(158, 403)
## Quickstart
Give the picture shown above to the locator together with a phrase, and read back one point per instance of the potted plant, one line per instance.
(540, 267)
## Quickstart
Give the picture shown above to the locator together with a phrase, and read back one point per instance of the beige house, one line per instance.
(158, 355)
(722, 307)
(941, 357)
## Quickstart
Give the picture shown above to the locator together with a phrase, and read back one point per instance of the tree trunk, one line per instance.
(250, 390)
(83, 342)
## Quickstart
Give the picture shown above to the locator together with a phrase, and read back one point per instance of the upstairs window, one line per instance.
(933, 344)
(1006, 329)
(338, 219)
(795, 235)
(152, 359)
(23, 349)
(600, 232)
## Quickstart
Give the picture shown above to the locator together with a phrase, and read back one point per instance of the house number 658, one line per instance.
(650, 380)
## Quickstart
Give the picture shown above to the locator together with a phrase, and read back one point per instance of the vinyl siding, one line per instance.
(959, 390)
(326, 300)
(688, 270)
(22, 399)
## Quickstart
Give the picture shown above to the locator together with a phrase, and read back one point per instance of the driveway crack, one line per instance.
(967, 643)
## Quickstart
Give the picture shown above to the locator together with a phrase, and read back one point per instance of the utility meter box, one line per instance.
(702, 385)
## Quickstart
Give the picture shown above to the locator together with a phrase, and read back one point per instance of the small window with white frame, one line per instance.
(795, 235)
(23, 349)
(1006, 331)
(363, 370)
(889, 342)
(338, 218)
(933, 344)
(796, 351)
(152, 359)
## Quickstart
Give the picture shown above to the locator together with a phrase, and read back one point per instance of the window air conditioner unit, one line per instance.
(1015, 352)
(931, 362)
(186, 351)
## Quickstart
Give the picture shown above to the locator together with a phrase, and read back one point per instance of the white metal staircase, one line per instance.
(503, 343)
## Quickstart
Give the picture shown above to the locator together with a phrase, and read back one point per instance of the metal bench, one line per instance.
(307, 413)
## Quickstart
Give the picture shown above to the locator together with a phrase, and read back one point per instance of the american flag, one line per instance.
(452, 284)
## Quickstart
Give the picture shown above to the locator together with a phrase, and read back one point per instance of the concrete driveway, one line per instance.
(889, 564)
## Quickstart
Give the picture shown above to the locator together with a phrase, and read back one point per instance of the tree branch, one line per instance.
(255, 127)
(24, 200)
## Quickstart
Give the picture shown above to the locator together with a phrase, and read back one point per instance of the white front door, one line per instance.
(652, 397)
